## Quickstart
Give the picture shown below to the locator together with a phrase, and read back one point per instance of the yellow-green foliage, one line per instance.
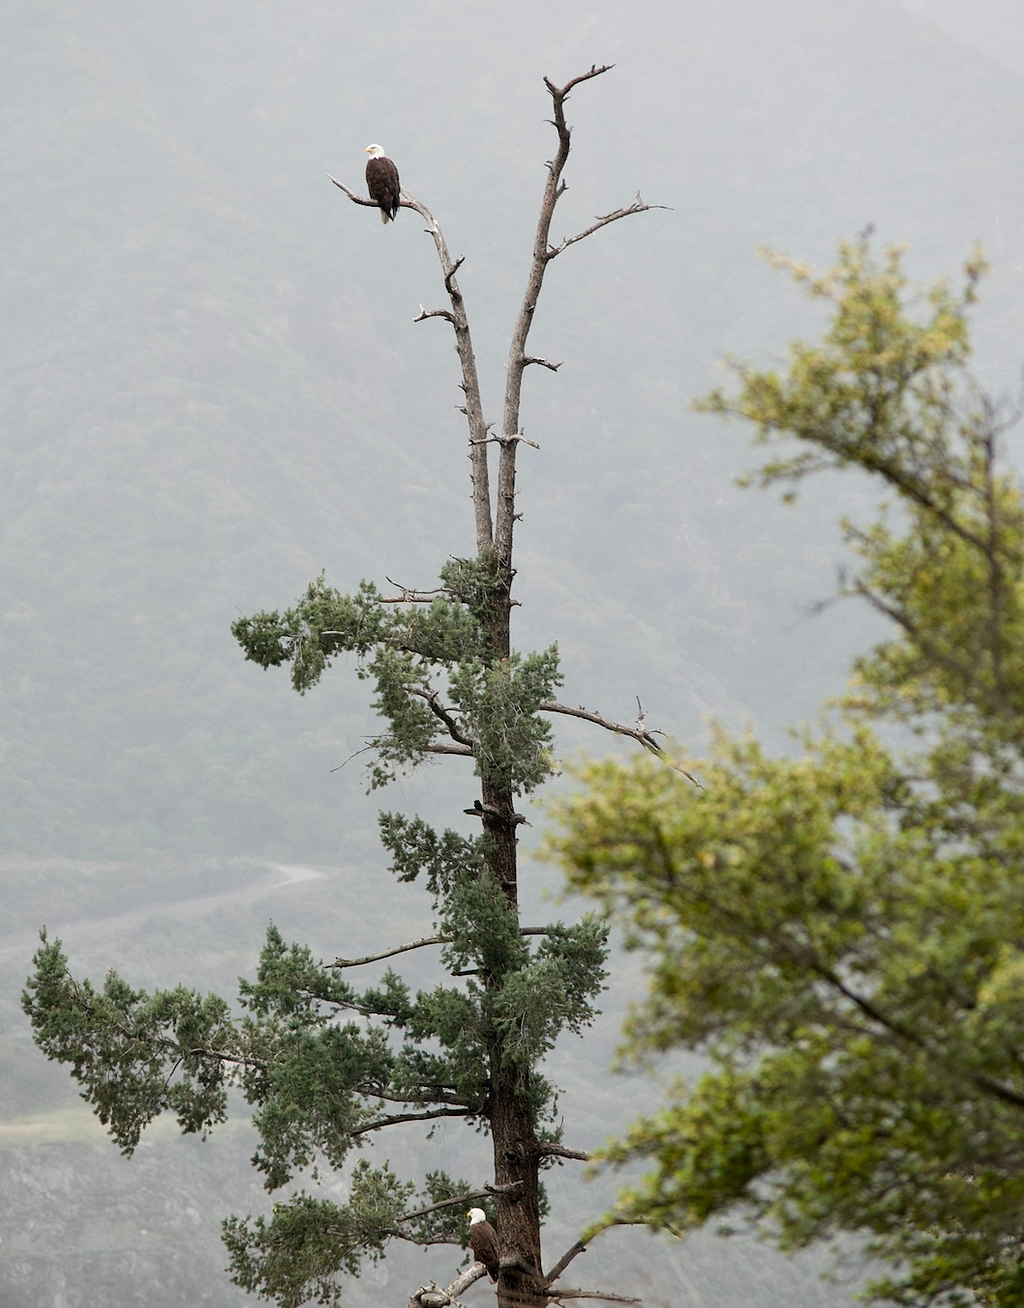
(841, 933)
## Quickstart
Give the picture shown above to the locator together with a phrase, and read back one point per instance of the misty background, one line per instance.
(212, 389)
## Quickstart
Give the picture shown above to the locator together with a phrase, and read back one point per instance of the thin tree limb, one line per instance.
(606, 1295)
(397, 1118)
(224, 1057)
(473, 408)
(424, 314)
(620, 729)
(433, 1296)
(638, 206)
(354, 754)
(639, 732)
(500, 440)
(518, 359)
(563, 92)
(414, 591)
(434, 747)
(808, 957)
(579, 1247)
(418, 944)
(438, 1095)
(485, 1193)
(900, 616)
(356, 198)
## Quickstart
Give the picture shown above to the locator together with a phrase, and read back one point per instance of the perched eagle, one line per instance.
(382, 182)
(483, 1240)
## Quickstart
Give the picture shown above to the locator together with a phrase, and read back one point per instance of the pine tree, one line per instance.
(323, 1063)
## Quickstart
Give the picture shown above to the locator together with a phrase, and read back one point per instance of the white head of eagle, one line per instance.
(483, 1240)
(382, 183)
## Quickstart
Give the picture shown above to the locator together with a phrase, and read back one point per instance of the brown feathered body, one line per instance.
(383, 185)
(483, 1240)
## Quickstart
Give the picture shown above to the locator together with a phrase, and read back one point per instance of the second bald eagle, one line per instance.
(382, 182)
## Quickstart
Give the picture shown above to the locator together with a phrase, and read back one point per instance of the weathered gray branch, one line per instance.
(644, 737)
(397, 1118)
(356, 198)
(638, 206)
(418, 944)
(443, 747)
(435, 747)
(579, 1247)
(498, 440)
(222, 1055)
(433, 1296)
(639, 732)
(466, 1198)
(410, 595)
(424, 314)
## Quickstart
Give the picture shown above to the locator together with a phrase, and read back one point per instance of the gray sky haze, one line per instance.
(211, 389)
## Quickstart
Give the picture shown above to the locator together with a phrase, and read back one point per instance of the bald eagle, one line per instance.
(483, 1240)
(382, 182)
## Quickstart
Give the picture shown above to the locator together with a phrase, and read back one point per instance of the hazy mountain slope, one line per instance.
(212, 387)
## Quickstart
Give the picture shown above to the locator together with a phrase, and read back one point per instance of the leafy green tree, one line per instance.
(841, 933)
(325, 1064)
